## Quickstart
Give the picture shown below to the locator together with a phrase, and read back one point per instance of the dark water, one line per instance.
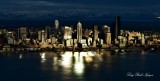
(83, 66)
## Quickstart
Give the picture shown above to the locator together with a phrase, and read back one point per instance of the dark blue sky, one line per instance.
(85, 9)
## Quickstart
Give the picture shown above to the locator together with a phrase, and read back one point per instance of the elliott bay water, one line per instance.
(80, 66)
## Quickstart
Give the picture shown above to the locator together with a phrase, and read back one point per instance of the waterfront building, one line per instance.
(53, 40)
(79, 32)
(134, 37)
(43, 36)
(69, 43)
(75, 42)
(122, 41)
(142, 39)
(40, 35)
(95, 33)
(107, 34)
(23, 33)
(95, 36)
(67, 33)
(27, 41)
(48, 41)
(84, 43)
(108, 39)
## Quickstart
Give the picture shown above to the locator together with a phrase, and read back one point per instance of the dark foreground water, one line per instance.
(83, 66)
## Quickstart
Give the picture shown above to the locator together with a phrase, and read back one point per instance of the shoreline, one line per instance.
(116, 49)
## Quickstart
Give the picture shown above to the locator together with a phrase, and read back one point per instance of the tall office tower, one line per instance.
(67, 32)
(79, 32)
(95, 31)
(47, 32)
(39, 35)
(108, 42)
(142, 39)
(56, 24)
(67, 36)
(107, 34)
(95, 36)
(23, 33)
(116, 28)
(43, 35)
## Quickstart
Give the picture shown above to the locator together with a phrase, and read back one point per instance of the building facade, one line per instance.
(79, 32)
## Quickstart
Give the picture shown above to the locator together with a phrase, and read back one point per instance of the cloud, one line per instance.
(80, 7)
(38, 3)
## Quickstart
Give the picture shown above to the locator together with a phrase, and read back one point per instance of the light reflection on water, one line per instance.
(20, 56)
(70, 62)
(43, 59)
(81, 66)
(75, 62)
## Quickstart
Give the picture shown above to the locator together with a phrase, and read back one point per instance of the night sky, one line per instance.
(85, 9)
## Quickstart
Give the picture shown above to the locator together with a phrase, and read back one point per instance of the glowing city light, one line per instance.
(20, 56)
(43, 58)
(79, 68)
(67, 59)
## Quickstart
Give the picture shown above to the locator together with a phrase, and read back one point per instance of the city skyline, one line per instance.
(75, 46)
(79, 40)
(51, 37)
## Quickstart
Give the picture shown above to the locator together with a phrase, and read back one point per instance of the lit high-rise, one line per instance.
(43, 35)
(67, 32)
(107, 34)
(23, 33)
(56, 24)
(95, 35)
(79, 32)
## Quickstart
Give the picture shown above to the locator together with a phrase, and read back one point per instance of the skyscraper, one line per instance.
(43, 35)
(47, 32)
(56, 24)
(116, 28)
(39, 35)
(23, 33)
(142, 39)
(67, 32)
(95, 35)
(79, 32)
(107, 34)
